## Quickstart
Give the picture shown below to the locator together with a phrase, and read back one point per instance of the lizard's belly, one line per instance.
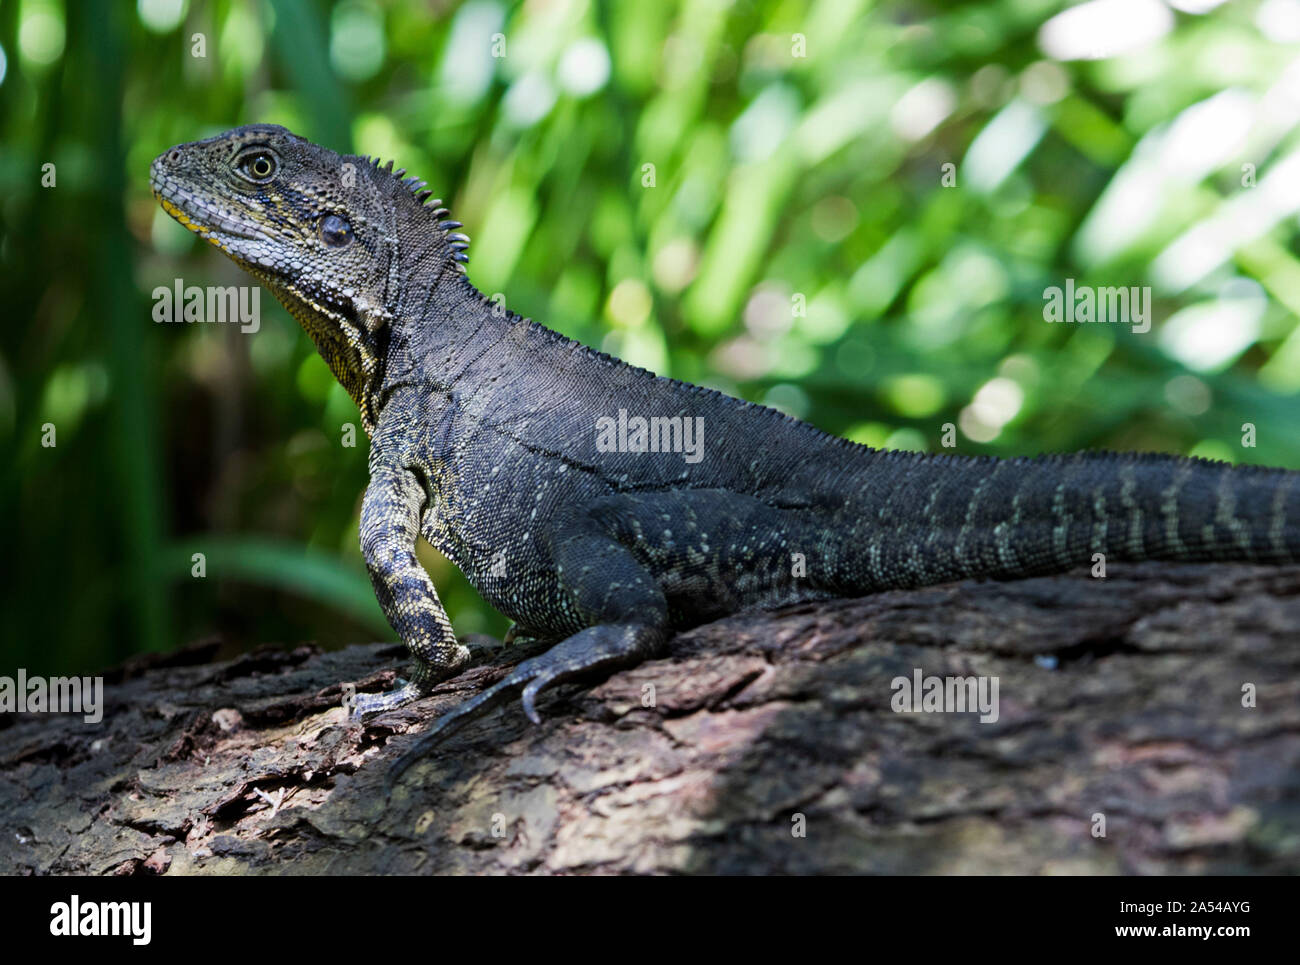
(710, 552)
(513, 577)
(522, 583)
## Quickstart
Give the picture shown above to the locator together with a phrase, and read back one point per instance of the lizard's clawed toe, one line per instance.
(605, 646)
(529, 699)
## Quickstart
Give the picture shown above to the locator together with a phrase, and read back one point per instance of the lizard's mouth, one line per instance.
(203, 219)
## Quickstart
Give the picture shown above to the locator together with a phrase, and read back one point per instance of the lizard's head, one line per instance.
(331, 235)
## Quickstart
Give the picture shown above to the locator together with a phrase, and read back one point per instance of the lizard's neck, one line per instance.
(356, 339)
(353, 353)
(452, 337)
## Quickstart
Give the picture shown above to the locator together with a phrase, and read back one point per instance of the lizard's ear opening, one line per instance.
(335, 231)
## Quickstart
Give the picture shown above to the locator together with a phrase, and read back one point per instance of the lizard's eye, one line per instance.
(258, 166)
(335, 232)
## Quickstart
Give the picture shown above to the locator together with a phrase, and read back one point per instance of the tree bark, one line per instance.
(765, 742)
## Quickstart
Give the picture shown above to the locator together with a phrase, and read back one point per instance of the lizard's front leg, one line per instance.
(390, 523)
(604, 586)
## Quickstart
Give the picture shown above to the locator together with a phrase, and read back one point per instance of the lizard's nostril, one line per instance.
(174, 155)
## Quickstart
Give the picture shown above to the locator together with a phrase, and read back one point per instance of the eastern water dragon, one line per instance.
(491, 436)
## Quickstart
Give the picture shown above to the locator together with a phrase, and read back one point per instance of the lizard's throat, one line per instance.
(353, 354)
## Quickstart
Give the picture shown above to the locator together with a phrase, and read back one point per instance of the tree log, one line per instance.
(765, 742)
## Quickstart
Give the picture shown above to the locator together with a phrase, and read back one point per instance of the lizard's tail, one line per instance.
(1020, 517)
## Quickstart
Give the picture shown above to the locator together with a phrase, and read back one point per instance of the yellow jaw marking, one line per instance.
(203, 231)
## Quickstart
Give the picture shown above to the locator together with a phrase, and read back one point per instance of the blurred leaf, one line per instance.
(287, 566)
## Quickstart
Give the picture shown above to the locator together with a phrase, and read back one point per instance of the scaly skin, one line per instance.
(486, 439)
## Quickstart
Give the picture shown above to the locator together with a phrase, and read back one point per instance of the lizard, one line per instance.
(518, 453)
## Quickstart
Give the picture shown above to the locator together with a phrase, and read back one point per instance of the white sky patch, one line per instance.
(467, 63)
(584, 67)
(1204, 136)
(1044, 82)
(529, 99)
(1246, 216)
(1200, 140)
(1104, 28)
(842, 115)
(161, 16)
(357, 44)
(765, 123)
(1124, 212)
(1194, 6)
(994, 405)
(40, 33)
(1209, 335)
(1279, 20)
(1279, 110)
(922, 109)
(1005, 141)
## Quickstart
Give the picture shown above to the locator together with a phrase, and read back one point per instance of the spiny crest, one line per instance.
(457, 241)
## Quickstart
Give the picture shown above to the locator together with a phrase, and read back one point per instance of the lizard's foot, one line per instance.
(424, 676)
(602, 647)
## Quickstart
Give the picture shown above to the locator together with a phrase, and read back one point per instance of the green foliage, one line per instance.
(754, 196)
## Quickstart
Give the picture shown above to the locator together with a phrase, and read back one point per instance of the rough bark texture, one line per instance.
(1120, 697)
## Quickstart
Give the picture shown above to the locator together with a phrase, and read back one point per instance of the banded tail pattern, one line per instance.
(1023, 517)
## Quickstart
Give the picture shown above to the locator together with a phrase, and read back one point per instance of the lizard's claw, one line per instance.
(600, 647)
(424, 677)
(445, 725)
